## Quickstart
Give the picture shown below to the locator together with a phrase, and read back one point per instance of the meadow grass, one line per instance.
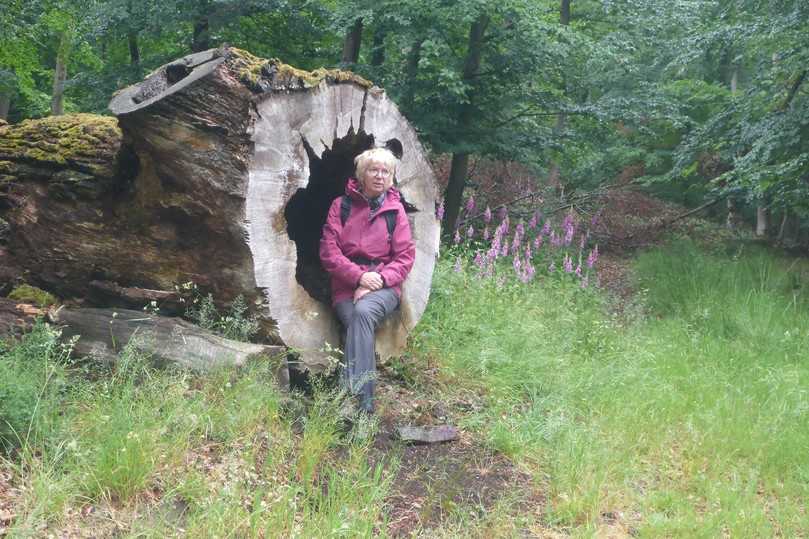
(690, 419)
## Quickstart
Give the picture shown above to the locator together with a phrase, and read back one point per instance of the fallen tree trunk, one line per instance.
(103, 333)
(16, 317)
(220, 171)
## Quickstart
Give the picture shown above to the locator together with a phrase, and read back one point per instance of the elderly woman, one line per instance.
(368, 250)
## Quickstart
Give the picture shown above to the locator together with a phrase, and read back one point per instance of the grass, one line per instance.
(690, 420)
(148, 452)
(685, 416)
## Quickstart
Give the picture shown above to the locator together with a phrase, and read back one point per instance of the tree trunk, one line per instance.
(351, 44)
(59, 77)
(413, 58)
(227, 170)
(134, 51)
(564, 13)
(5, 105)
(555, 173)
(378, 51)
(201, 36)
(761, 221)
(460, 160)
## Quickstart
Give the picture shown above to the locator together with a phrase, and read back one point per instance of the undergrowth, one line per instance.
(691, 420)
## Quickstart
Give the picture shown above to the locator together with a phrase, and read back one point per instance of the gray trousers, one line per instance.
(360, 321)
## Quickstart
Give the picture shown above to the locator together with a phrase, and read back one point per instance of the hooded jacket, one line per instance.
(362, 244)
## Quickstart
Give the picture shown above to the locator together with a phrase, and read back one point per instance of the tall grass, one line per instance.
(149, 452)
(693, 420)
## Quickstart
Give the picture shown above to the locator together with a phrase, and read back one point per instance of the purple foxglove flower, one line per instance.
(470, 232)
(486, 233)
(439, 211)
(532, 224)
(457, 238)
(528, 253)
(457, 267)
(567, 264)
(520, 230)
(504, 249)
(479, 261)
(530, 271)
(556, 241)
(470, 205)
(578, 270)
(538, 242)
(546, 228)
(517, 264)
(592, 258)
(581, 242)
(502, 212)
(487, 215)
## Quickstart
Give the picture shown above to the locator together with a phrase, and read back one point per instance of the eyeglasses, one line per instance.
(379, 172)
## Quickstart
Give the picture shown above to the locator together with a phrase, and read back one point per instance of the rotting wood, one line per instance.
(102, 334)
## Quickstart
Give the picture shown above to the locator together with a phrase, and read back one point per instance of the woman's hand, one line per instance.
(371, 280)
(359, 293)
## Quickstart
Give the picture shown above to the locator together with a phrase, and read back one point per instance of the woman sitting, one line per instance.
(368, 250)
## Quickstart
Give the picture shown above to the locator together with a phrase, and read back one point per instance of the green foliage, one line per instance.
(236, 324)
(32, 379)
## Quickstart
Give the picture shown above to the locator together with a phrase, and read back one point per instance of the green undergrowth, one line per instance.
(687, 416)
(131, 450)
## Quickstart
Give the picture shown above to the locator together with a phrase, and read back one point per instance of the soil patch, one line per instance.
(433, 481)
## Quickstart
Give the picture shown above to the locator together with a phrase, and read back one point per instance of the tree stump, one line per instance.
(223, 176)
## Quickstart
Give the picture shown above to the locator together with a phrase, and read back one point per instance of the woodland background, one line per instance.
(702, 100)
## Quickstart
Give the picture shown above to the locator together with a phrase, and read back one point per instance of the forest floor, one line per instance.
(432, 480)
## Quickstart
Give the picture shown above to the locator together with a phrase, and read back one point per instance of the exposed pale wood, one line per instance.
(102, 333)
(428, 435)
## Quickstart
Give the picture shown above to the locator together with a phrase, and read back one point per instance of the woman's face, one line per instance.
(376, 179)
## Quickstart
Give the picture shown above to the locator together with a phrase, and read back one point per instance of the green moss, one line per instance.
(87, 139)
(284, 76)
(34, 295)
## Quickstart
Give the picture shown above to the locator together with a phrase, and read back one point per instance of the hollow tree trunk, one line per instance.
(223, 175)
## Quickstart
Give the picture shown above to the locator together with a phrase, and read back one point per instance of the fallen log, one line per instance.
(102, 334)
(17, 317)
(219, 171)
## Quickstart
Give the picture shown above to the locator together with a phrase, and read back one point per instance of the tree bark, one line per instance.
(413, 58)
(134, 51)
(59, 77)
(460, 160)
(222, 174)
(351, 43)
(564, 12)
(5, 105)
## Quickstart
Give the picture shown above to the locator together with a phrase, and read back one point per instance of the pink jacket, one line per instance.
(366, 238)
